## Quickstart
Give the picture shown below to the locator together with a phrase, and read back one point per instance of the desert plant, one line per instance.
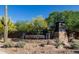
(48, 42)
(8, 45)
(20, 44)
(42, 45)
(75, 45)
(59, 45)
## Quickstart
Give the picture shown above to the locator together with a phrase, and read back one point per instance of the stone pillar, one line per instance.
(63, 37)
(63, 40)
(61, 34)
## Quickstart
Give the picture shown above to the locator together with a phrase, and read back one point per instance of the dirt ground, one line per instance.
(34, 47)
(37, 51)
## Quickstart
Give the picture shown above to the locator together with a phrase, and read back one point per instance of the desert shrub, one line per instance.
(59, 45)
(48, 42)
(20, 44)
(51, 42)
(75, 44)
(8, 45)
(42, 45)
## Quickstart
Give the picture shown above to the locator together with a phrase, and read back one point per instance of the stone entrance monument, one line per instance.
(61, 34)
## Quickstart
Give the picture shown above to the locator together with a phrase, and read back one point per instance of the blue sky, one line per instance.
(27, 12)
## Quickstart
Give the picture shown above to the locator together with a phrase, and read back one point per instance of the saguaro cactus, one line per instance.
(5, 24)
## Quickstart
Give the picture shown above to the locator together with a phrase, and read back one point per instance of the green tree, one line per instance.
(11, 25)
(39, 24)
(24, 26)
(35, 26)
(1, 25)
(71, 19)
(53, 17)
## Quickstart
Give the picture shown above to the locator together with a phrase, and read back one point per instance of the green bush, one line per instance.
(75, 45)
(8, 45)
(20, 44)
